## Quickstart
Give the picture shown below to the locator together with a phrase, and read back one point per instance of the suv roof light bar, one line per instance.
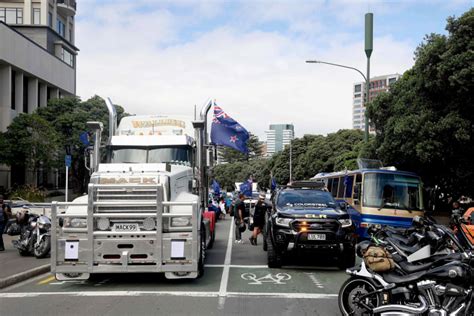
(311, 184)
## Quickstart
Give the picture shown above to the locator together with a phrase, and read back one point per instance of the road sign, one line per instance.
(67, 160)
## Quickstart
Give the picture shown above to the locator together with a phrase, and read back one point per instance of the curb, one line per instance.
(25, 275)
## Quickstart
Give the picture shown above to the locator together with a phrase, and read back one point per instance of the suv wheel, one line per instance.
(347, 259)
(274, 256)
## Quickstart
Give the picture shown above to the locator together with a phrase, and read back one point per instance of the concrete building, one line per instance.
(37, 57)
(377, 85)
(278, 136)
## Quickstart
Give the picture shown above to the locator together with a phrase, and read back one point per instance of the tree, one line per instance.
(425, 123)
(54, 127)
(30, 143)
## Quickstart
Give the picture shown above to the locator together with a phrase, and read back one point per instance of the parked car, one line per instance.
(306, 218)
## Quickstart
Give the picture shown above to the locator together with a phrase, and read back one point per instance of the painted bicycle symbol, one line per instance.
(269, 278)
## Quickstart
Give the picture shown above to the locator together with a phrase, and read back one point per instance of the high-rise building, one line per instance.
(278, 136)
(37, 57)
(377, 85)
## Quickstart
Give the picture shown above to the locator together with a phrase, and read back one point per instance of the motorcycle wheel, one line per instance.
(351, 290)
(42, 250)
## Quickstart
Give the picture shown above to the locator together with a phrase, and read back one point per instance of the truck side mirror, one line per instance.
(343, 205)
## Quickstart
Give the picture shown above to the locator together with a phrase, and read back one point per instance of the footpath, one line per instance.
(15, 268)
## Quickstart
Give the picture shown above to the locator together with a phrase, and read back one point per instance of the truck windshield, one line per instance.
(305, 198)
(151, 155)
(394, 191)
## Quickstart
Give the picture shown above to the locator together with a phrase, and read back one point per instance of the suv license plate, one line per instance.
(125, 228)
(316, 237)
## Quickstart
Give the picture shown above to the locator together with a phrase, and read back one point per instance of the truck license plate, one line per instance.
(125, 227)
(316, 237)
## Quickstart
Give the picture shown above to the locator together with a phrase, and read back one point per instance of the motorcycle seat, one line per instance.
(398, 279)
(400, 238)
(412, 268)
(407, 249)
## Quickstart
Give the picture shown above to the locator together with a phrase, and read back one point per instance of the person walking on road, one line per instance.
(3, 221)
(239, 211)
(258, 218)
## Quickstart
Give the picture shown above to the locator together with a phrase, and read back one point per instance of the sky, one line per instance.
(165, 57)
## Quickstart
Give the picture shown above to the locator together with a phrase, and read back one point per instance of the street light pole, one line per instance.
(369, 35)
(366, 99)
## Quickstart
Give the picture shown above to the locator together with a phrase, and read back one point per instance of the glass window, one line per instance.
(305, 199)
(391, 80)
(329, 185)
(67, 57)
(50, 19)
(392, 191)
(13, 88)
(61, 28)
(357, 88)
(179, 155)
(36, 16)
(129, 155)
(2, 15)
(340, 191)
(348, 183)
(335, 184)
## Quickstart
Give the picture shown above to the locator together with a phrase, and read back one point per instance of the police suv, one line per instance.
(306, 218)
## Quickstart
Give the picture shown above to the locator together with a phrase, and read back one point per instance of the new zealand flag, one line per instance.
(226, 131)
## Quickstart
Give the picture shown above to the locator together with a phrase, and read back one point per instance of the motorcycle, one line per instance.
(35, 235)
(441, 285)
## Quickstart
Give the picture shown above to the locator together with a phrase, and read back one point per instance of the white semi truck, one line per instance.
(145, 211)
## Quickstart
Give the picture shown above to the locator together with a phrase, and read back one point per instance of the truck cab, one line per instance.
(144, 209)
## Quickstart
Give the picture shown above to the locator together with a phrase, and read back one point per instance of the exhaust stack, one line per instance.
(112, 118)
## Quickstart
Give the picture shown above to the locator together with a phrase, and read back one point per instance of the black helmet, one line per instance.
(362, 247)
(242, 227)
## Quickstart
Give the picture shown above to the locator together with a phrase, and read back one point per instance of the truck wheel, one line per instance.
(274, 257)
(213, 237)
(347, 259)
(202, 254)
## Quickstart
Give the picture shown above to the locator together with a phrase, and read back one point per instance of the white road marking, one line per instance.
(315, 280)
(268, 278)
(256, 266)
(228, 257)
(167, 293)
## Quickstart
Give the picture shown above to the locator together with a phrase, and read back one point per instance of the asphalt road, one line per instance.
(236, 282)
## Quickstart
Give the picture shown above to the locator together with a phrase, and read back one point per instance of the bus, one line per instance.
(383, 196)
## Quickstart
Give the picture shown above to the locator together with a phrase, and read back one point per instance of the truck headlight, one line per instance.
(345, 222)
(75, 222)
(282, 221)
(103, 223)
(149, 223)
(180, 221)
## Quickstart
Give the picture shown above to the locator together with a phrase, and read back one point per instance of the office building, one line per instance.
(377, 85)
(278, 136)
(37, 57)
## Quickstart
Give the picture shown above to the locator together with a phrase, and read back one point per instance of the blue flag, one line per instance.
(226, 131)
(84, 138)
(216, 188)
(274, 184)
(246, 188)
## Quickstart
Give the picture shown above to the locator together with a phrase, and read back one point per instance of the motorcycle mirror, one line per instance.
(61, 222)
(343, 205)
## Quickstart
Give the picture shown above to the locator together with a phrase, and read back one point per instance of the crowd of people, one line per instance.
(242, 216)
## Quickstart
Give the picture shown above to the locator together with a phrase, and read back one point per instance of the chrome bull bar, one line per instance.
(125, 251)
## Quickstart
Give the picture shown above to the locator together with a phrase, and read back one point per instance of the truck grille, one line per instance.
(125, 194)
(316, 225)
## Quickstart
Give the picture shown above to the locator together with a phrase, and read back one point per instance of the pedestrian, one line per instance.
(239, 212)
(3, 221)
(222, 208)
(258, 218)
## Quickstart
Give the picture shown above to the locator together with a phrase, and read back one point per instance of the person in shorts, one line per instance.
(258, 218)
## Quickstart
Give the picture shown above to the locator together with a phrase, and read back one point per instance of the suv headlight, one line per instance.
(180, 221)
(345, 222)
(282, 221)
(75, 222)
